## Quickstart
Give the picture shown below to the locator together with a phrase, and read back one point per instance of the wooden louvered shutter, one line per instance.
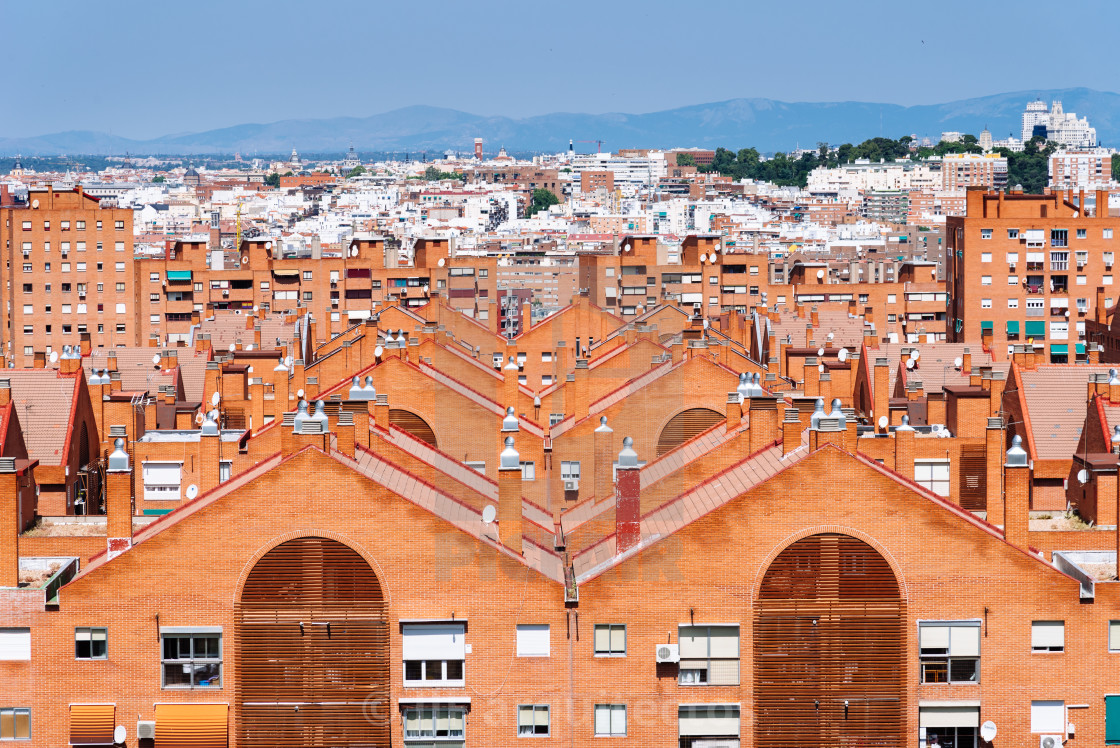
(828, 631)
(685, 426)
(413, 424)
(312, 632)
(973, 479)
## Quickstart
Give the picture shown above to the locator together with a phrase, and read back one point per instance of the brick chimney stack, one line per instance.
(118, 501)
(509, 497)
(627, 499)
(9, 523)
(1017, 495)
(604, 452)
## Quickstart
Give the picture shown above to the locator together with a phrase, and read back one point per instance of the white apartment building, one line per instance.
(1081, 170)
(1061, 127)
(630, 174)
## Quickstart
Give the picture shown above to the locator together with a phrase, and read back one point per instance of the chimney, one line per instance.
(734, 411)
(40, 360)
(526, 317)
(580, 394)
(5, 391)
(1017, 495)
(815, 317)
(256, 404)
(904, 449)
(966, 360)
(993, 459)
(344, 433)
(118, 501)
(1100, 311)
(381, 411)
(627, 499)
(1113, 387)
(9, 522)
(509, 497)
(824, 386)
(85, 345)
(604, 452)
(808, 336)
(811, 377)
(763, 422)
(209, 452)
(791, 431)
(995, 398)
(509, 382)
(870, 339)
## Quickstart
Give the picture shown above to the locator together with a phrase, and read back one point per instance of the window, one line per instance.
(1114, 636)
(610, 640)
(1048, 636)
(533, 640)
(118, 225)
(81, 267)
(933, 474)
(532, 720)
(985, 257)
(950, 651)
(892, 298)
(1112, 720)
(709, 655)
(985, 233)
(192, 659)
(118, 246)
(66, 267)
(985, 303)
(307, 275)
(120, 267)
(121, 328)
(15, 724)
(528, 471)
(698, 721)
(1012, 303)
(555, 418)
(80, 225)
(610, 720)
(569, 470)
(90, 643)
(433, 654)
(435, 722)
(225, 467)
(153, 277)
(100, 266)
(15, 644)
(948, 726)
(1081, 233)
(46, 267)
(1108, 233)
(28, 309)
(1048, 716)
(1059, 237)
(27, 267)
(985, 280)
(27, 225)
(1013, 233)
(98, 225)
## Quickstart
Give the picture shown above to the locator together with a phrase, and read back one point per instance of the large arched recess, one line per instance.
(413, 424)
(684, 426)
(312, 649)
(829, 656)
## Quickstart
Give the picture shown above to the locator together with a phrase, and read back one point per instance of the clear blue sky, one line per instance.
(143, 69)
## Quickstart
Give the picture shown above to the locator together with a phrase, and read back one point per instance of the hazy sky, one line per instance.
(143, 69)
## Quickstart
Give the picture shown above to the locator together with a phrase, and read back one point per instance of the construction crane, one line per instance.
(598, 143)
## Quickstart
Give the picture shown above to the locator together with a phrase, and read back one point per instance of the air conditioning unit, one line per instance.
(1050, 741)
(571, 485)
(668, 653)
(145, 729)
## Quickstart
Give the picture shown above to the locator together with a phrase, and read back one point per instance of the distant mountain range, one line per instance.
(765, 124)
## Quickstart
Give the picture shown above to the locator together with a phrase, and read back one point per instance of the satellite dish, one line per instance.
(353, 251)
(626, 247)
(299, 394)
(820, 368)
(440, 262)
(250, 369)
(217, 398)
(155, 360)
(198, 418)
(288, 362)
(716, 248)
(192, 491)
(915, 354)
(249, 347)
(268, 245)
(120, 734)
(820, 351)
(1083, 476)
(842, 355)
(54, 357)
(245, 260)
(378, 351)
(909, 363)
(882, 422)
(34, 203)
(702, 258)
(488, 513)
(958, 362)
(820, 274)
(232, 347)
(988, 731)
(830, 336)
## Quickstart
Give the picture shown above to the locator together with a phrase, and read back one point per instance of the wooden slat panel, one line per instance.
(192, 725)
(92, 724)
(829, 630)
(973, 478)
(685, 426)
(313, 631)
(413, 424)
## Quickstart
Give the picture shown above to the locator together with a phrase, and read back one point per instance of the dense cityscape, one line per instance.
(696, 445)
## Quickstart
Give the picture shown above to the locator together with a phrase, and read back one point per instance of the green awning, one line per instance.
(1060, 348)
(156, 512)
(985, 325)
(1079, 348)
(1036, 329)
(1112, 719)
(178, 275)
(1012, 327)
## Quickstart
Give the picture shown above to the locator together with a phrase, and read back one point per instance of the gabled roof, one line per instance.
(1055, 397)
(45, 402)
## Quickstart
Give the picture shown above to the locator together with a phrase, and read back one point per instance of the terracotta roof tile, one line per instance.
(1056, 399)
(43, 400)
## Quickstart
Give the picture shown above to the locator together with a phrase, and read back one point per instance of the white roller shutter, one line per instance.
(934, 637)
(1114, 635)
(533, 640)
(15, 644)
(1048, 635)
(162, 480)
(434, 642)
(1048, 716)
(949, 716)
(714, 720)
(964, 641)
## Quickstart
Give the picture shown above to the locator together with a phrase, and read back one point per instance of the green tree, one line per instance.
(159, 179)
(1116, 168)
(357, 171)
(431, 174)
(685, 159)
(272, 180)
(542, 199)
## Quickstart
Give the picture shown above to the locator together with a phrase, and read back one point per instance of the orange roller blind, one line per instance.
(192, 725)
(92, 724)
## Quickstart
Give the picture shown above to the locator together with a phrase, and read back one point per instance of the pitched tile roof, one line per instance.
(846, 331)
(44, 402)
(227, 327)
(936, 364)
(1056, 397)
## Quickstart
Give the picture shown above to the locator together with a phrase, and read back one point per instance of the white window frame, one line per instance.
(948, 641)
(433, 646)
(433, 713)
(704, 676)
(528, 729)
(13, 711)
(569, 469)
(534, 640)
(933, 481)
(607, 720)
(605, 640)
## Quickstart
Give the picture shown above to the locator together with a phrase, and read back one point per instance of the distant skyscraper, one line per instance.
(1034, 115)
(986, 140)
(478, 148)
